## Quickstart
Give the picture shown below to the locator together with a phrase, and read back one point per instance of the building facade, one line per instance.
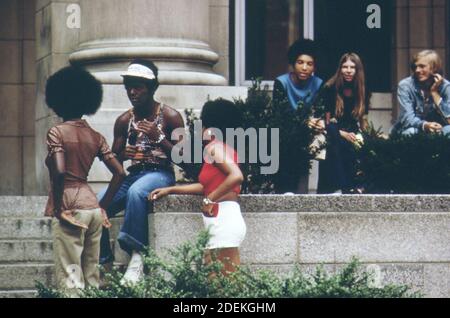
(204, 49)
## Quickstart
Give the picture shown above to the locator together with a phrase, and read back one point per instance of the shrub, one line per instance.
(185, 275)
(406, 164)
(294, 139)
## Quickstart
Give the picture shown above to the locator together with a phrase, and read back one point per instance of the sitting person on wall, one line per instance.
(346, 104)
(72, 147)
(300, 85)
(219, 182)
(424, 97)
(142, 134)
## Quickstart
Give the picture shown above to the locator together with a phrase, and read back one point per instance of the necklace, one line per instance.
(158, 111)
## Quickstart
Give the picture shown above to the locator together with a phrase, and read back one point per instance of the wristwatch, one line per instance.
(207, 201)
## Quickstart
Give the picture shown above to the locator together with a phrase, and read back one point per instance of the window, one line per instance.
(342, 27)
(264, 30)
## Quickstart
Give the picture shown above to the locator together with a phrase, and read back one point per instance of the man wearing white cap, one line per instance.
(142, 135)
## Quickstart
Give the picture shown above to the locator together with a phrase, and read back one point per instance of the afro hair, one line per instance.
(73, 92)
(300, 47)
(221, 114)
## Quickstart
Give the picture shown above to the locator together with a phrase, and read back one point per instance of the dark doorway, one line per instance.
(341, 26)
(271, 26)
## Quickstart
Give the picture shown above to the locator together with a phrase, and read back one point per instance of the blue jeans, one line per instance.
(337, 171)
(132, 196)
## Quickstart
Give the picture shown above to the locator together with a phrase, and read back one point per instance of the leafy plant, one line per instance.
(416, 164)
(259, 111)
(185, 275)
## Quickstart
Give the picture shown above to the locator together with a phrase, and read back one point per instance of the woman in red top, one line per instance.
(219, 181)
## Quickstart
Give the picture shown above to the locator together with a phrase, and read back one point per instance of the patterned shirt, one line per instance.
(149, 152)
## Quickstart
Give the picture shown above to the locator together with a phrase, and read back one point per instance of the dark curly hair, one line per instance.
(221, 114)
(300, 47)
(152, 85)
(73, 92)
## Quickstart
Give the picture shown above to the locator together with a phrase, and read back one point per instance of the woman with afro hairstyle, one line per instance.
(72, 147)
(219, 182)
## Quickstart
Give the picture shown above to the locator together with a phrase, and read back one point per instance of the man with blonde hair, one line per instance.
(424, 97)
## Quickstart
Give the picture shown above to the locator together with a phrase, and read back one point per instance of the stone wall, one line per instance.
(17, 95)
(404, 239)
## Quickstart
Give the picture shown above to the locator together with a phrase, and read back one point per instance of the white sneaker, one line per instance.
(135, 270)
(338, 192)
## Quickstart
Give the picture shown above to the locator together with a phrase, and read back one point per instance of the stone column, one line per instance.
(174, 34)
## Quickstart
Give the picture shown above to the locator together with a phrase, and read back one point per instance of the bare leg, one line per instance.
(229, 257)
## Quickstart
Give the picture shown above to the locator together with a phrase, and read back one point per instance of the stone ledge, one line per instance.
(22, 206)
(24, 276)
(317, 203)
(405, 237)
(27, 293)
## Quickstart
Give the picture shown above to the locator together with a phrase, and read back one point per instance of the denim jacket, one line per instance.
(412, 103)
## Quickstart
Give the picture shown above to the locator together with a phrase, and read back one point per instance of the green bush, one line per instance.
(294, 139)
(417, 164)
(185, 275)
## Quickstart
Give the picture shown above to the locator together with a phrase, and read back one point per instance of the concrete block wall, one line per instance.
(17, 96)
(404, 238)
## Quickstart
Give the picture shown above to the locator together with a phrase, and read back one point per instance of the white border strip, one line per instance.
(239, 50)
(308, 19)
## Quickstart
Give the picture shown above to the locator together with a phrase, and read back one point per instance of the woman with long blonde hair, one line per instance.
(346, 103)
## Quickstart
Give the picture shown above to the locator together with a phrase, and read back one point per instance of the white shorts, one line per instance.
(228, 228)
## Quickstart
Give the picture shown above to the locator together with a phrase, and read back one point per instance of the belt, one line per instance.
(148, 167)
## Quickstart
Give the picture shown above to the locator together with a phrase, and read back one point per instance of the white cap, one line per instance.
(138, 70)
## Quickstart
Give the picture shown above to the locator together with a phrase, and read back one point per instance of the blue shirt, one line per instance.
(413, 107)
(306, 93)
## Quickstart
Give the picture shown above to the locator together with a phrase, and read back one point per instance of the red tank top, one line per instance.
(212, 177)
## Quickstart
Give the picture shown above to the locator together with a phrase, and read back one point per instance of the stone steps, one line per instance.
(25, 251)
(22, 207)
(25, 276)
(26, 247)
(25, 228)
(25, 293)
